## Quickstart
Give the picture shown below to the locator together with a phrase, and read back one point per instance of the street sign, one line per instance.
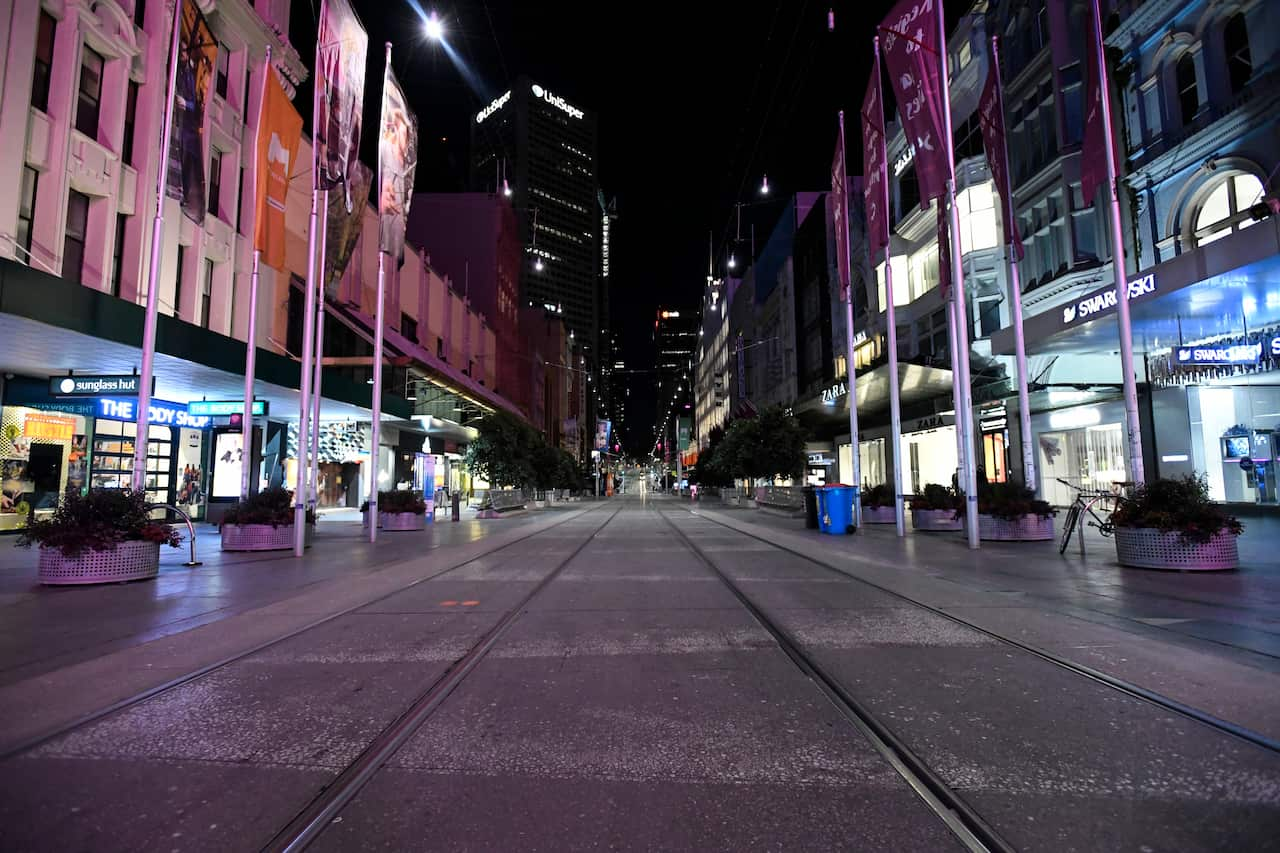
(126, 385)
(222, 408)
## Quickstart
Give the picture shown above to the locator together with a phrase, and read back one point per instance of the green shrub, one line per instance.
(1010, 501)
(935, 496)
(1179, 505)
(97, 520)
(272, 506)
(878, 496)
(401, 501)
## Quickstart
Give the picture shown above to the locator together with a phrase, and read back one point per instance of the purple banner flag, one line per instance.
(873, 164)
(991, 119)
(944, 249)
(840, 212)
(910, 39)
(1093, 149)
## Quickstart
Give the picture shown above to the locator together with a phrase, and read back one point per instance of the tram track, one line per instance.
(968, 826)
(194, 675)
(1118, 684)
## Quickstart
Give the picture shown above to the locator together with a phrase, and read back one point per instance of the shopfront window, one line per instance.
(1088, 457)
(42, 454)
(929, 457)
(1235, 440)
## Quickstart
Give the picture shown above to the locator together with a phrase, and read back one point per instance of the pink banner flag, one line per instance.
(991, 119)
(944, 249)
(873, 164)
(1093, 149)
(840, 212)
(910, 39)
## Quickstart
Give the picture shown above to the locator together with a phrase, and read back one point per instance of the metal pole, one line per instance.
(308, 340)
(964, 419)
(891, 335)
(1133, 433)
(377, 393)
(850, 374)
(143, 413)
(251, 337)
(315, 384)
(1015, 298)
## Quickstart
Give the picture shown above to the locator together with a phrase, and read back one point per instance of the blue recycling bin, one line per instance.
(835, 510)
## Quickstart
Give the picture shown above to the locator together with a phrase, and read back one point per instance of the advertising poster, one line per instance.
(603, 430)
(228, 456)
(397, 163)
(197, 53)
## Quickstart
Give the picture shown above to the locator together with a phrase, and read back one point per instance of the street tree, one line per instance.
(504, 451)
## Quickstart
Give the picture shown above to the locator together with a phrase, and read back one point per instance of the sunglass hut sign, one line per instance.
(1105, 300)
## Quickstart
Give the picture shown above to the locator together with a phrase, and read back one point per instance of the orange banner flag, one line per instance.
(279, 130)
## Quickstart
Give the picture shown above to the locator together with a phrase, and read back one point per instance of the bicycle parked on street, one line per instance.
(1092, 507)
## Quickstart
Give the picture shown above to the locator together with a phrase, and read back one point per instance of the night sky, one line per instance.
(696, 101)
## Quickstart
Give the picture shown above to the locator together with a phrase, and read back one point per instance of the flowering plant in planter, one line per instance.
(401, 501)
(272, 506)
(98, 520)
(877, 496)
(1011, 501)
(1179, 505)
(935, 496)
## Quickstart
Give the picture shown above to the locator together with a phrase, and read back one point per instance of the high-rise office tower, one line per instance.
(541, 148)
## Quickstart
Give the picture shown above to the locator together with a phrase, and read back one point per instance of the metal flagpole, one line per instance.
(308, 328)
(1015, 295)
(891, 333)
(963, 415)
(143, 412)
(851, 376)
(1133, 432)
(379, 319)
(314, 489)
(251, 339)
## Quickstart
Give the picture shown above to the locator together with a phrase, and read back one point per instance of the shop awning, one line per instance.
(916, 383)
(50, 326)
(1218, 289)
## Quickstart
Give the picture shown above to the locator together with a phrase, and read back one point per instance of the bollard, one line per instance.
(457, 507)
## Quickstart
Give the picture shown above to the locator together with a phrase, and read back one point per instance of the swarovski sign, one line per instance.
(494, 105)
(1250, 353)
(1105, 300)
(555, 101)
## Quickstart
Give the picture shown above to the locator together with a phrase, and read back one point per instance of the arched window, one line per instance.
(1185, 81)
(1226, 209)
(1235, 44)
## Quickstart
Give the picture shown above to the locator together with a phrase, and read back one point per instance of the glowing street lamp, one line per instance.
(764, 186)
(435, 29)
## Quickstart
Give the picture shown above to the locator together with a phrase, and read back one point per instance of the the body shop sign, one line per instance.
(1105, 300)
(163, 413)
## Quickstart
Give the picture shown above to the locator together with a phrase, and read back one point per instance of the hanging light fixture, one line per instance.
(733, 262)
(764, 186)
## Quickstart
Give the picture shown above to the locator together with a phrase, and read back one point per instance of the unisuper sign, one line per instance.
(555, 101)
(494, 105)
(1105, 300)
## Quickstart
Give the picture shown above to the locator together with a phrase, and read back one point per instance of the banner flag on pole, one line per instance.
(344, 226)
(342, 46)
(991, 120)
(279, 131)
(910, 42)
(840, 212)
(1093, 148)
(397, 162)
(197, 55)
(873, 163)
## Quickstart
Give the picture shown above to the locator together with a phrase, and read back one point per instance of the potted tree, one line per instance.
(1172, 524)
(263, 522)
(102, 536)
(402, 509)
(937, 508)
(1010, 512)
(878, 505)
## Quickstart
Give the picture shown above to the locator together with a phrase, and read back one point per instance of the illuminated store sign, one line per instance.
(494, 105)
(835, 392)
(604, 245)
(162, 413)
(93, 386)
(904, 160)
(222, 408)
(556, 101)
(1097, 303)
(1210, 354)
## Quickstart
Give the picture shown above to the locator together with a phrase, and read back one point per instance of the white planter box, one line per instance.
(364, 519)
(879, 515)
(261, 537)
(1148, 548)
(401, 521)
(936, 519)
(127, 561)
(1028, 528)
